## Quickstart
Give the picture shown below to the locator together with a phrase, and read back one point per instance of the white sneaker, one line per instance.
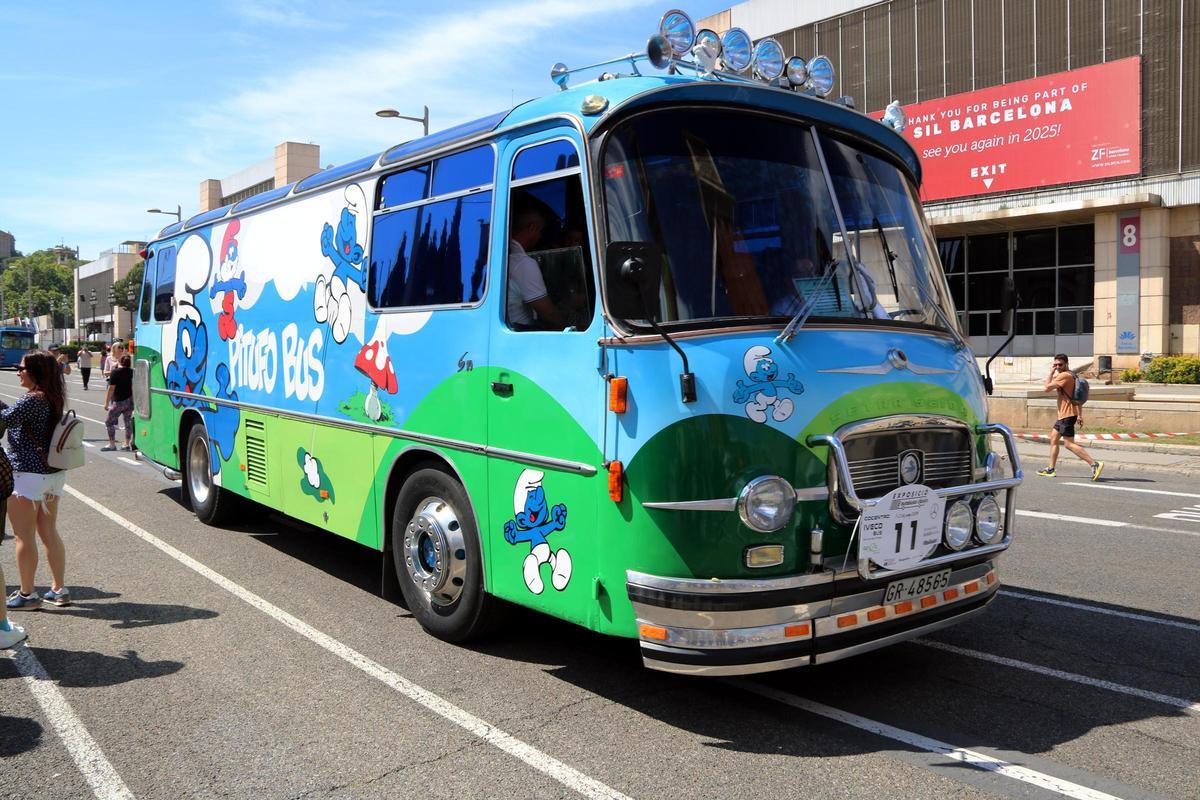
(11, 637)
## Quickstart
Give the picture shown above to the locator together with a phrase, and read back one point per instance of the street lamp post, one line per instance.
(112, 309)
(129, 294)
(92, 297)
(53, 308)
(177, 213)
(391, 113)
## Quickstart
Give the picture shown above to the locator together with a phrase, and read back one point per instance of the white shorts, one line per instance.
(35, 486)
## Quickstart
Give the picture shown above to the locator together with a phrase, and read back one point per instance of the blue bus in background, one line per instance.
(15, 342)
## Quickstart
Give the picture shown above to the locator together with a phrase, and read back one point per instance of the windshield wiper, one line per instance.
(889, 255)
(810, 300)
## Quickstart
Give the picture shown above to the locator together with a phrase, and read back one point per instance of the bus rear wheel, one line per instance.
(211, 503)
(437, 558)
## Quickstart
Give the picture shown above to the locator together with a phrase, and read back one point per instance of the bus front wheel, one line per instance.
(437, 558)
(211, 503)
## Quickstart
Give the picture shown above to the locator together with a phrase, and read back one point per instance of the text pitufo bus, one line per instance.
(667, 355)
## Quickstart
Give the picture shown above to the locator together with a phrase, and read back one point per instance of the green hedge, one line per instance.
(1131, 376)
(1173, 369)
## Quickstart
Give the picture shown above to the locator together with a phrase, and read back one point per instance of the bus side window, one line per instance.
(550, 284)
(147, 292)
(164, 285)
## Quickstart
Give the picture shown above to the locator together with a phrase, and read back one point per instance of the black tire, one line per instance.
(212, 504)
(450, 602)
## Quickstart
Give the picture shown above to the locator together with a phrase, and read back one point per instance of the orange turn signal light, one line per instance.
(972, 587)
(796, 630)
(903, 607)
(618, 395)
(616, 481)
(928, 601)
(876, 614)
(950, 594)
(652, 632)
(847, 621)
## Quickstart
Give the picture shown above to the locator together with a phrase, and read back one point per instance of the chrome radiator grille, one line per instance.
(874, 458)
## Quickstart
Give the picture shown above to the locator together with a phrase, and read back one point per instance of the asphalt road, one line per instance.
(260, 661)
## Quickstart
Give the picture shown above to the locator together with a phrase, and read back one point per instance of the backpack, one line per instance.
(66, 443)
(1080, 395)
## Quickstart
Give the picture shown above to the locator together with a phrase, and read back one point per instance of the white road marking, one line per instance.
(969, 757)
(1189, 514)
(1105, 523)
(543, 762)
(1112, 488)
(88, 444)
(89, 758)
(1187, 706)
(1188, 626)
(128, 460)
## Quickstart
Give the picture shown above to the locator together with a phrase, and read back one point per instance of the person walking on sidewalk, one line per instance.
(119, 404)
(84, 360)
(1070, 414)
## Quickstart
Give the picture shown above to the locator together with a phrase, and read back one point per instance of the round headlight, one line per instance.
(987, 521)
(797, 71)
(736, 49)
(768, 59)
(956, 531)
(677, 28)
(820, 76)
(767, 503)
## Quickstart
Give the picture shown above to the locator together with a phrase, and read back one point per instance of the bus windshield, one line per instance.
(739, 206)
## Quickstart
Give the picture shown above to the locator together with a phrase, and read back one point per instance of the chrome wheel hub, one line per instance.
(435, 554)
(199, 474)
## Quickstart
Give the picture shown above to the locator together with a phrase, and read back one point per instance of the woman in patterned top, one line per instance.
(33, 507)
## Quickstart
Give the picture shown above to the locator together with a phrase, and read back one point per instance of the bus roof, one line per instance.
(622, 94)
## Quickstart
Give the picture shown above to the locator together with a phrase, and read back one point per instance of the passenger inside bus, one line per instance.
(549, 276)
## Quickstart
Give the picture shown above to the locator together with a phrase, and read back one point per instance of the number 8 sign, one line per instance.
(903, 528)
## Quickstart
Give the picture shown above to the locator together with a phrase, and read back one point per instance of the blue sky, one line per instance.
(110, 109)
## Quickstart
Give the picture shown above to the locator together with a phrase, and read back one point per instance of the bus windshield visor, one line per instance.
(737, 210)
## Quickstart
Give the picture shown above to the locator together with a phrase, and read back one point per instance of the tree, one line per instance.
(41, 273)
(132, 280)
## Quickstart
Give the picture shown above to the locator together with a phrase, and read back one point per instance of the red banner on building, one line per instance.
(1071, 126)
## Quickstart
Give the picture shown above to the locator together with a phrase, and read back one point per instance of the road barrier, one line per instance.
(1044, 437)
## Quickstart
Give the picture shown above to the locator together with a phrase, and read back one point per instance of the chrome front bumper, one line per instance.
(845, 488)
(740, 627)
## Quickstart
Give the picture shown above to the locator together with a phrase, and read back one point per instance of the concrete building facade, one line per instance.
(1106, 254)
(97, 318)
(292, 162)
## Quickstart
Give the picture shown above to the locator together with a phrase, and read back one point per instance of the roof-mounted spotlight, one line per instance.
(768, 60)
(678, 30)
(797, 71)
(658, 51)
(560, 74)
(737, 50)
(707, 50)
(820, 76)
(894, 117)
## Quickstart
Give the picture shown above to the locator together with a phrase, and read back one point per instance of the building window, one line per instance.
(248, 192)
(1053, 270)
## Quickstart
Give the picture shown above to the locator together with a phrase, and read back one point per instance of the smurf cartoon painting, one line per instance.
(343, 247)
(766, 387)
(533, 522)
(230, 281)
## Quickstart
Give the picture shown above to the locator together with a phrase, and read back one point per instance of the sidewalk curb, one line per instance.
(1030, 467)
(1129, 445)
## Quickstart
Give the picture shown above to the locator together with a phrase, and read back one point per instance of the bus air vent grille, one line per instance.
(256, 454)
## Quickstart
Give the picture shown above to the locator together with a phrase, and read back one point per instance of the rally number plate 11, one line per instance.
(911, 588)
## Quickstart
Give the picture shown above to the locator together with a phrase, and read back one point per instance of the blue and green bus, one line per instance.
(668, 354)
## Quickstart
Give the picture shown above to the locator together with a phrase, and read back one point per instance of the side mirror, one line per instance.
(1008, 306)
(633, 272)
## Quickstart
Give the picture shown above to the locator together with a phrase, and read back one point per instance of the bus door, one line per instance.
(545, 387)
